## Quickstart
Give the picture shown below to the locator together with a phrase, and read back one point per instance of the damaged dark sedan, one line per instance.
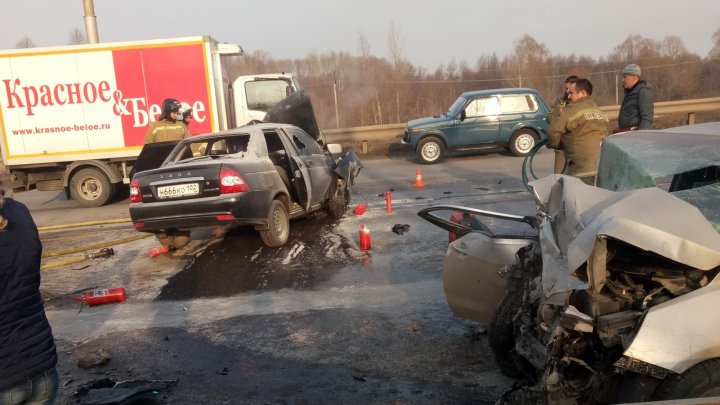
(261, 175)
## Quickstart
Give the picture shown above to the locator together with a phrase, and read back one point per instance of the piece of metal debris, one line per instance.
(400, 228)
(97, 358)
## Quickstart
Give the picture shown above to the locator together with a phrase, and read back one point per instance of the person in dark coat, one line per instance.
(637, 110)
(28, 373)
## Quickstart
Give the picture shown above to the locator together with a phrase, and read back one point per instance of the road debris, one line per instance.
(400, 228)
(97, 358)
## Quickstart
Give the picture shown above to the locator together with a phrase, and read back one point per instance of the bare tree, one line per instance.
(674, 47)
(529, 55)
(363, 46)
(395, 43)
(25, 42)
(77, 37)
(715, 51)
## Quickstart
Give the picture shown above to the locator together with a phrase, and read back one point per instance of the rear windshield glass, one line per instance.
(236, 145)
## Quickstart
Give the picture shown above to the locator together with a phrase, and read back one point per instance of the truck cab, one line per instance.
(254, 95)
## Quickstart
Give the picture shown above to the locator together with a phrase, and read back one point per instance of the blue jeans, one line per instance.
(40, 390)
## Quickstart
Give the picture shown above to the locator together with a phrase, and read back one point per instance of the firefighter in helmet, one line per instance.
(169, 126)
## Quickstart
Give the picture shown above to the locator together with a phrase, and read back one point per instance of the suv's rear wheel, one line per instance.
(278, 226)
(522, 142)
(430, 150)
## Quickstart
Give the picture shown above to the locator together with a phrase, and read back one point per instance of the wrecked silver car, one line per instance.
(608, 294)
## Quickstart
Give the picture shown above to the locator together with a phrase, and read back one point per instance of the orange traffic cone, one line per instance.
(419, 183)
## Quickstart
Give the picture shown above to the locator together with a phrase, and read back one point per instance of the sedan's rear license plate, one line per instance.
(178, 190)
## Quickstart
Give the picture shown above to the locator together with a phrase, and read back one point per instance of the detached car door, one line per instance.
(314, 159)
(481, 123)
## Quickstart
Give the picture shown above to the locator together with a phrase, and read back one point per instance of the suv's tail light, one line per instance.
(232, 182)
(135, 195)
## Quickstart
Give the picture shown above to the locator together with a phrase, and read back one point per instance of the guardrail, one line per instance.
(378, 139)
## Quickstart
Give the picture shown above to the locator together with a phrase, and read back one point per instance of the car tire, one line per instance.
(522, 142)
(430, 150)
(174, 238)
(339, 200)
(278, 226)
(501, 334)
(700, 381)
(90, 187)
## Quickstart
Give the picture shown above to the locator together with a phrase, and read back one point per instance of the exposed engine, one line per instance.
(570, 346)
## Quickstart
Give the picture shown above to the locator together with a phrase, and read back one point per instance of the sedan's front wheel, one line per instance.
(278, 226)
(340, 199)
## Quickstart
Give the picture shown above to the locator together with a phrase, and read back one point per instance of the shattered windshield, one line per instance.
(686, 164)
(211, 148)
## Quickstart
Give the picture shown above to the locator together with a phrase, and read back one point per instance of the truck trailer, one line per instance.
(74, 117)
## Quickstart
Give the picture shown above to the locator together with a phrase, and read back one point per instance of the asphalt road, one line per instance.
(316, 321)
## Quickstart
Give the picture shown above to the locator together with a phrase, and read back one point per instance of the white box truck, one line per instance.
(74, 117)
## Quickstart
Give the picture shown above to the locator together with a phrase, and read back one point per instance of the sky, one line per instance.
(431, 32)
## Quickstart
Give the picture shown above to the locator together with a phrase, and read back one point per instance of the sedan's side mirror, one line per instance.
(334, 148)
(462, 115)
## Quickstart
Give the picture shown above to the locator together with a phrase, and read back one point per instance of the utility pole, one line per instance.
(617, 97)
(337, 117)
(91, 31)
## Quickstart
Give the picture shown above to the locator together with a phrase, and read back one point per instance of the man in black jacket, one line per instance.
(27, 350)
(637, 109)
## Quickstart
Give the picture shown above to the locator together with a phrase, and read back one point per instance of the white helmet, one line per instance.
(185, 110)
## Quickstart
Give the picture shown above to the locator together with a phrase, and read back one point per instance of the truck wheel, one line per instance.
(430, 150)
(339, 200)
(278, 226)
(522, 142)
(173, 238)
(700, 381)
(91, 188)
(501, 334)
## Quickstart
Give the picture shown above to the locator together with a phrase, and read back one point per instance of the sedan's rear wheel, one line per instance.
(278, 225)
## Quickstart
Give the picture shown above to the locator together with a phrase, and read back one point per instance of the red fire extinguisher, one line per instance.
(365, 243)
(105, 296)
(388, 202)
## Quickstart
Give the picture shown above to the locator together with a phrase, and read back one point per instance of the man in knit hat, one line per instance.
(637, 109)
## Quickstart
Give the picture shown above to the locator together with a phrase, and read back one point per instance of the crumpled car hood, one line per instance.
(648, 218)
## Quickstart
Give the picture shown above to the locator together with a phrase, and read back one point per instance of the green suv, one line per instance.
(510, 118)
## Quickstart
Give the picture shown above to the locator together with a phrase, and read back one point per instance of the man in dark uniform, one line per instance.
(555, 111)
(579, 131)
(168, 127)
